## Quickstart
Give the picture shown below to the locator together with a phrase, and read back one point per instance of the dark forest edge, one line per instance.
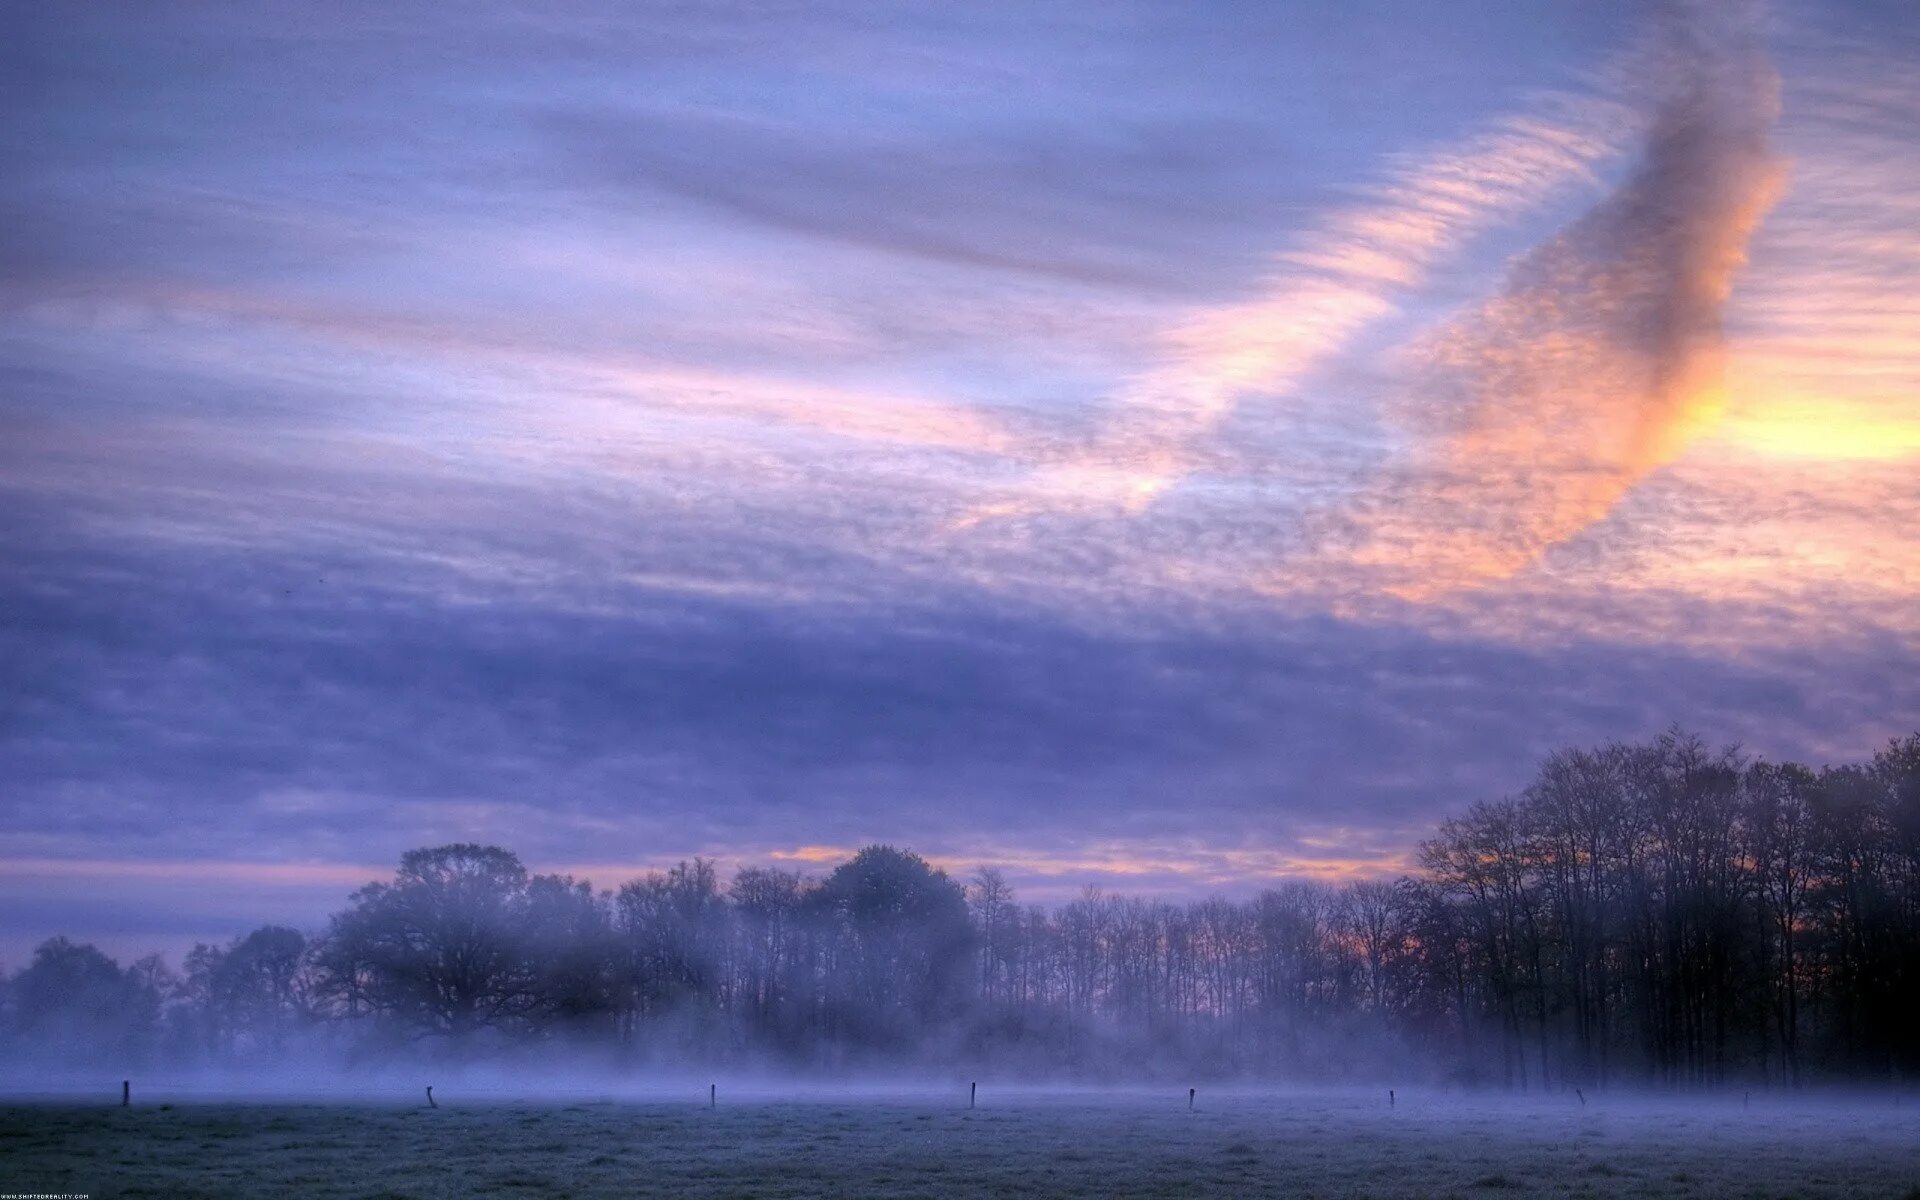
(1654, 913)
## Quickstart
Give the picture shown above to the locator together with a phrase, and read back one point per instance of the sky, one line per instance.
(1163, 446)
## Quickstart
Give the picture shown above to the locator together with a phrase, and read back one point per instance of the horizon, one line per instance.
(302, 888)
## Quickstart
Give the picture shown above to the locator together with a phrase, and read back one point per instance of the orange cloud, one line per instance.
(1601, 359)
(1339, 856)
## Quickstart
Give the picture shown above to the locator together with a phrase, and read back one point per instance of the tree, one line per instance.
(673, 932)
(252, 992)
(775, 953)
(568, 937)
(900, 945)
(993, 912)
(1779, 827)
(444, 949)
(74, 1002)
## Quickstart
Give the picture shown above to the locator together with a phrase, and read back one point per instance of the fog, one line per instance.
(1648, 918)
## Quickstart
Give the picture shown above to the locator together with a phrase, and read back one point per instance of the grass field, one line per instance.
(1020, 1144)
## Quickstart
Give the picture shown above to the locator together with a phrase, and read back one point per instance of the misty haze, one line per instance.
(891, 599)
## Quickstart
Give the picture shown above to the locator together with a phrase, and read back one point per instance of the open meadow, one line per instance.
(1024, 1143)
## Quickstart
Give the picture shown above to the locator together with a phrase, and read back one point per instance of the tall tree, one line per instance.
(443, 950)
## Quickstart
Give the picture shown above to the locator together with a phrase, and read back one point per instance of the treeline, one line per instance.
(1658, 912)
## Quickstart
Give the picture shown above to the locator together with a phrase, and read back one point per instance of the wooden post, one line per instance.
(1190, 1092)
(126, 1093)
(713, 1095)
(1390, 1100)
(973, 1092)
(431, 1103)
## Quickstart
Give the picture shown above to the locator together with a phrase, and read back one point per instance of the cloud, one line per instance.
(505, 673)
(482, 428)
(608, 390)
(1343, 276)
(1134, 209)
(1604, 354)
